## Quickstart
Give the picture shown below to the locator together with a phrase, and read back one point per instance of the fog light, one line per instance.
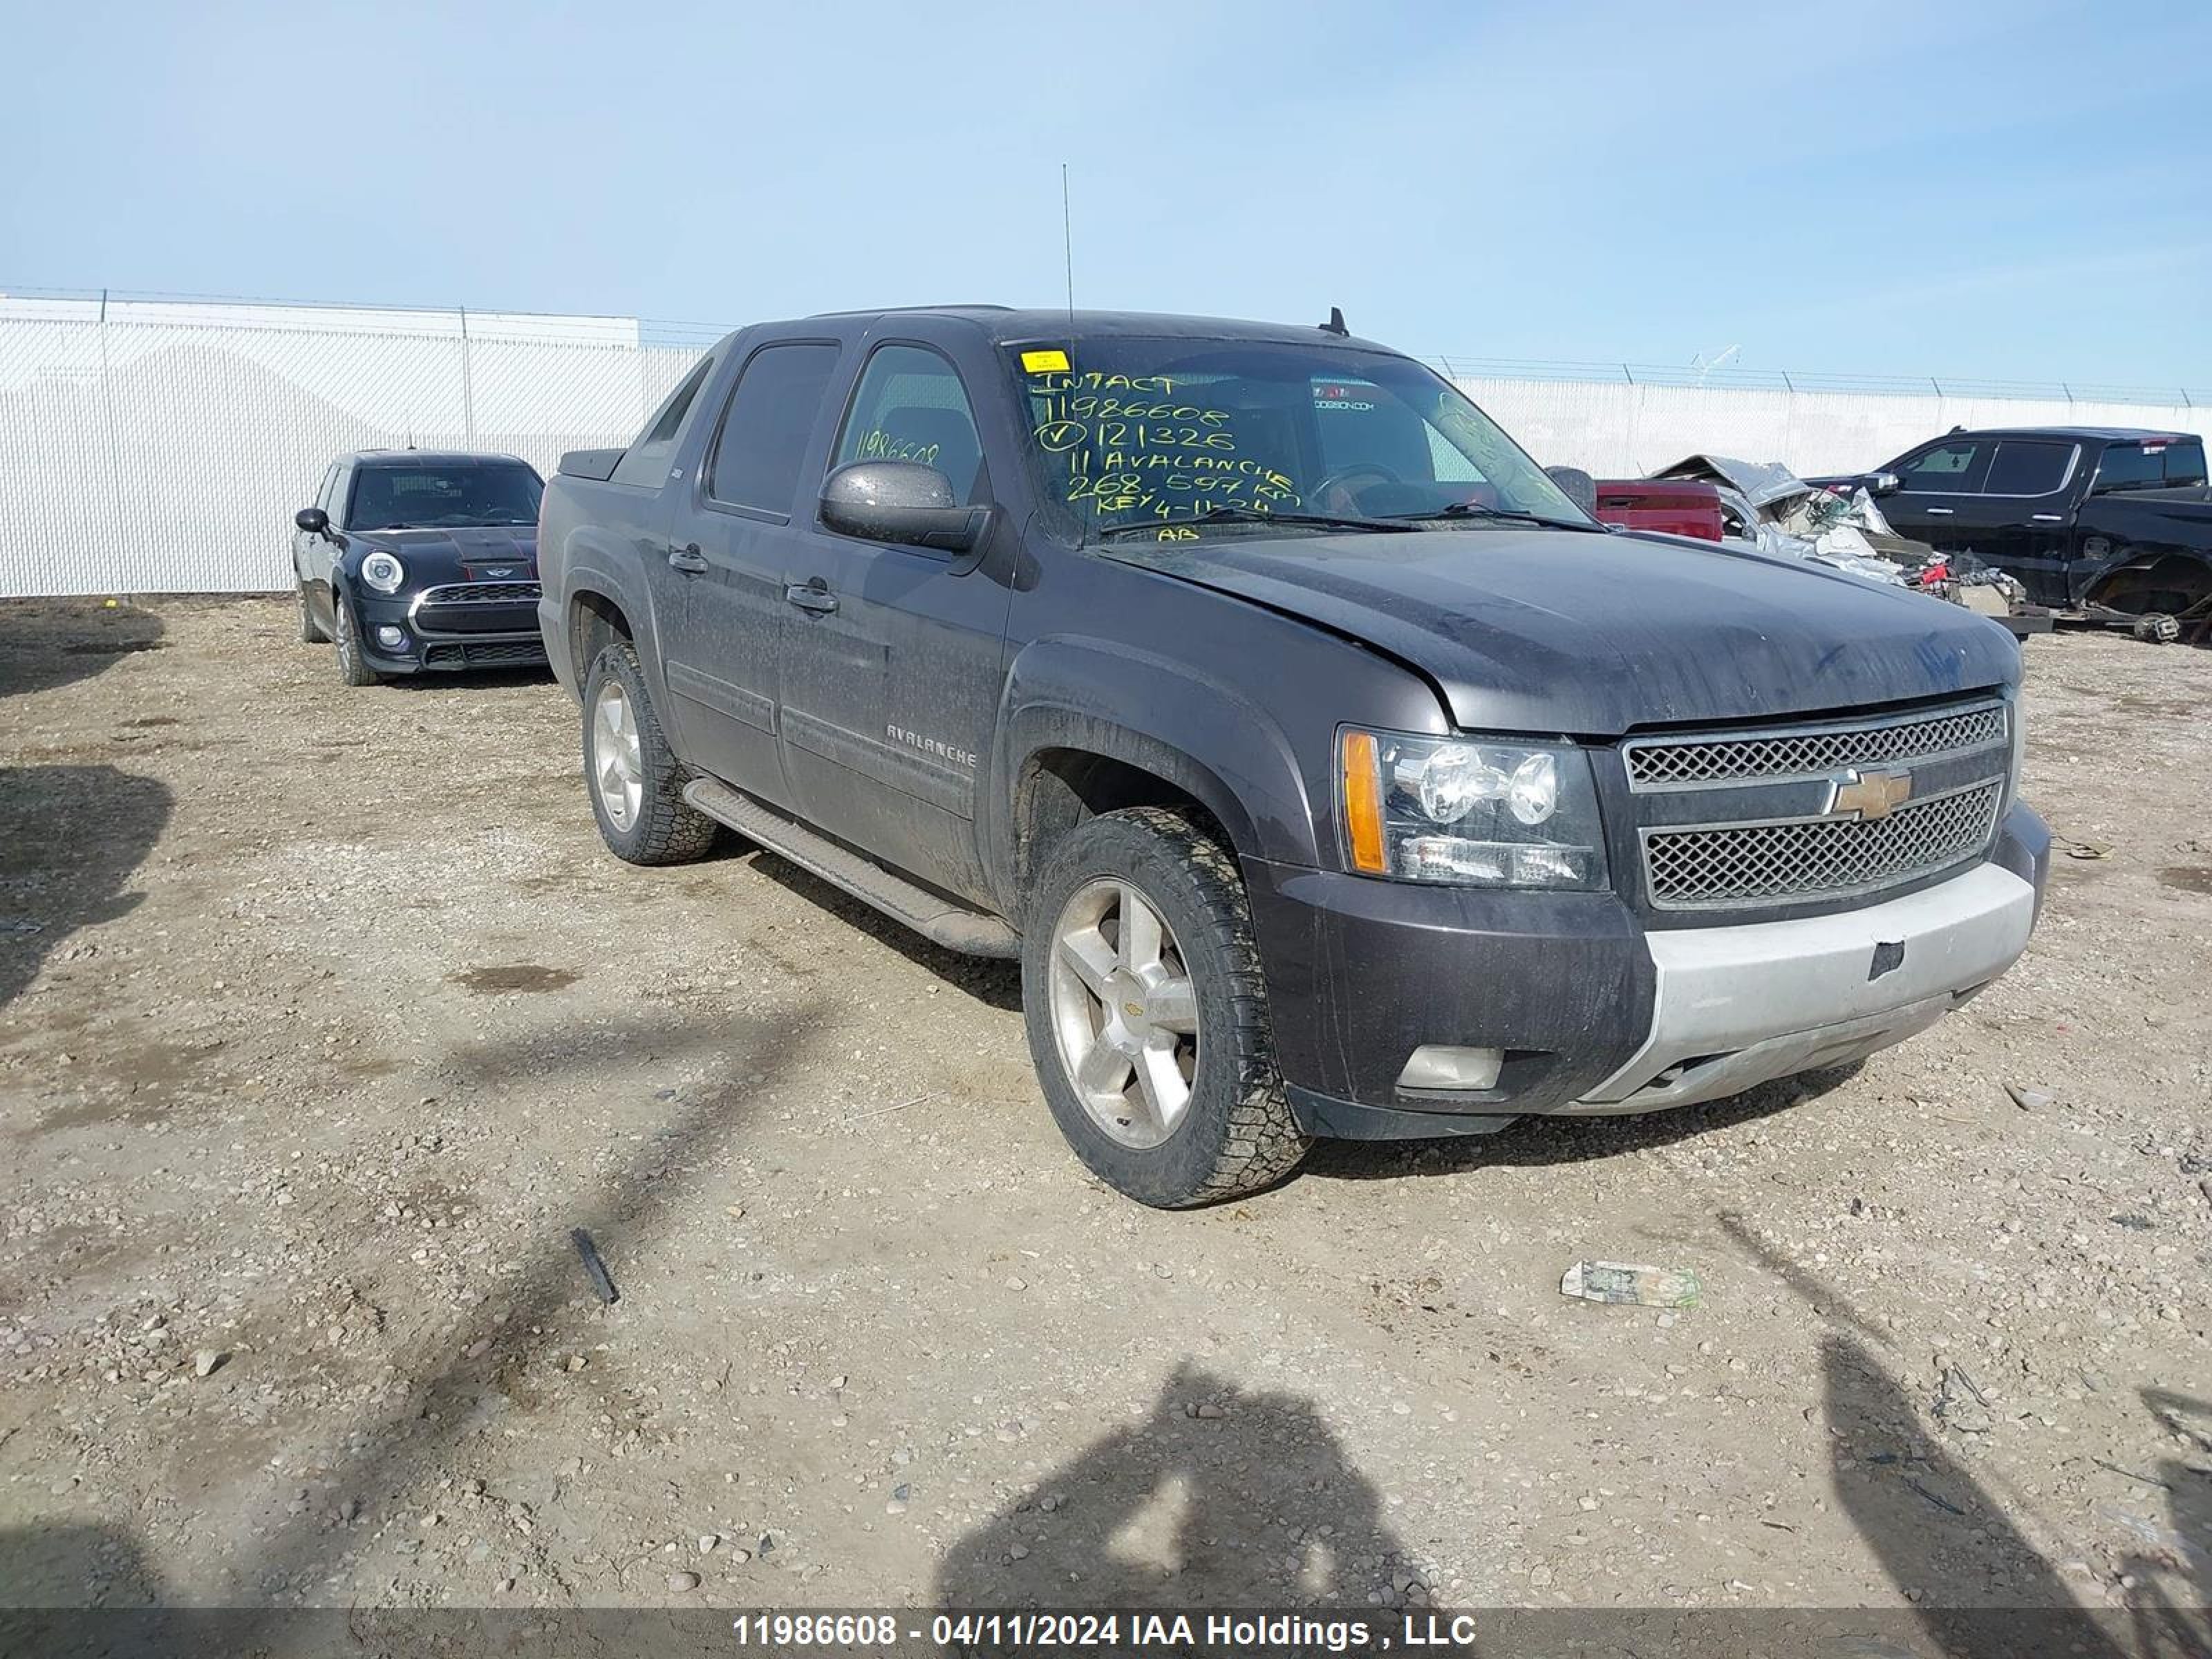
(1435, 1066)
(391, 638)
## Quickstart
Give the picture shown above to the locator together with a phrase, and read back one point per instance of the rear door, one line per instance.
(2020, 522)
(892, 663)
(730, 541)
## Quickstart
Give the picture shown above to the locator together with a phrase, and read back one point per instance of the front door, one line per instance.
(1934, 484)
(893, 656)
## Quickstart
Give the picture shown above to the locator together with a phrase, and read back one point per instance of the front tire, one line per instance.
(637, 782)
(1147, 1014)
(311, 631)
(353, 666)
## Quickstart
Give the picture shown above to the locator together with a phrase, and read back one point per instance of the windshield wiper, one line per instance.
(1252, 515)
(1509, 515)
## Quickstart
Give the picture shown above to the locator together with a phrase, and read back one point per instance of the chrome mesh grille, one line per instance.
(1661, 764)
(1819, 858)
(481, 593)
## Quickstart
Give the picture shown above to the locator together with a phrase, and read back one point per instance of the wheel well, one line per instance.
(593, 621)
(1061, 787)
(2173, 584)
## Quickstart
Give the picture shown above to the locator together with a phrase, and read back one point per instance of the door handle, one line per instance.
(813, 596)
(1940, 512)
(688, 559)
(2048, 518)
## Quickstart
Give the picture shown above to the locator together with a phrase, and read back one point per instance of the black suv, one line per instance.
(416, 562)
(1329, 771)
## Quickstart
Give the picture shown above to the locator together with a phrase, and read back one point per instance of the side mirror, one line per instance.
(1882, 483)
(313, 520)
(902, 502)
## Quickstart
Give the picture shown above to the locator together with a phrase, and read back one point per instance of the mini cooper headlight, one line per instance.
(1468, 811)
(383, 572)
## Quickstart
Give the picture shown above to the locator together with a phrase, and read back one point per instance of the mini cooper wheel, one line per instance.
(311, 631)
(353, 666)
(635, 780)
(1147, 1015)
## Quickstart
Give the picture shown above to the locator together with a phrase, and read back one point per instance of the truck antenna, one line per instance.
(1068, 242)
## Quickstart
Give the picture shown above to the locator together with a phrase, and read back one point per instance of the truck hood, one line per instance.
(1544, 631)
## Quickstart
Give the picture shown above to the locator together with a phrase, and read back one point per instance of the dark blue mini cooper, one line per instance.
(416, 562)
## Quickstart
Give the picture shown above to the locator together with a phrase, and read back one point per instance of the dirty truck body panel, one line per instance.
(936, 709)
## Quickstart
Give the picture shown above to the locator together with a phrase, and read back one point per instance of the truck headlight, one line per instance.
(383, 572)
(1468, 811)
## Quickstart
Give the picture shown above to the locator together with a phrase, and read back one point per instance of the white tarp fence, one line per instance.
(162, 447)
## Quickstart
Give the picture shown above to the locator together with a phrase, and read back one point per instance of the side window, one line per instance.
(770, 416)
(1946, 470)
(330, 478)
(646, 461)
(341, 487)
(911, 406)
(2024, 468)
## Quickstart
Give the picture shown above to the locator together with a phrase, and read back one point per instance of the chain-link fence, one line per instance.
(157, 447)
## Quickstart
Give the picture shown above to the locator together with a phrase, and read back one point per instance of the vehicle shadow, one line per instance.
(1542, 1140)
(70, 838)
(659, 1176)
(83, 1590)
(1975, 1584)
(2183, 1548)
(47, 643)
(1218, 1498)
(993, 982)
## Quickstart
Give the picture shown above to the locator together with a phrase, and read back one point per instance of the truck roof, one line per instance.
(2117, 434)
(372, 458)
(1009, 323)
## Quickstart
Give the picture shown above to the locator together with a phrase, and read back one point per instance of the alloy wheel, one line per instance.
(1124, 1012)
(617, 757)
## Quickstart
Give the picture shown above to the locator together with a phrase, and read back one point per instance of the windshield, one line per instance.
(1139, 434)
(432, 497)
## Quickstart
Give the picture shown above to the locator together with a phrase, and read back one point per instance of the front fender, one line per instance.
(1166, 717)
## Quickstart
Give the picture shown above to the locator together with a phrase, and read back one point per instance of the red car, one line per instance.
(1673, 506)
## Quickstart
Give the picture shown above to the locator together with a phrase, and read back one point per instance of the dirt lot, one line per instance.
(323, 1018)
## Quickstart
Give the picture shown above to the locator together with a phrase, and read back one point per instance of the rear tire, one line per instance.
(353, 666)
(635, 782)
(1147, 1014)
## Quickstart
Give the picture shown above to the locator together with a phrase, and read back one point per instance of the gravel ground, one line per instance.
(323, 1018)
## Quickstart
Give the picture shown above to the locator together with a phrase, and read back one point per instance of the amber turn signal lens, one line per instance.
(1363, 803)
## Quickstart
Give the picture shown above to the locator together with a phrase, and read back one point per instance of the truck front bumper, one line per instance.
(1591, 1012)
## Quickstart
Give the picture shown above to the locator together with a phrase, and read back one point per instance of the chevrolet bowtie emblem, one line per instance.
(1871, 794)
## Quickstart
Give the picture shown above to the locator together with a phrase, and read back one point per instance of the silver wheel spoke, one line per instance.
(1173, 1005)
(1103, 1071)
(1091, 958)
(618, 757)
(1160, 1080)
(1140, 931)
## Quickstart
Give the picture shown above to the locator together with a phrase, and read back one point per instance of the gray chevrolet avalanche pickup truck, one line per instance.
(1329, 772)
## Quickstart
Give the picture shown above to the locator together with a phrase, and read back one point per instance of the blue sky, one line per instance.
(1977, 188)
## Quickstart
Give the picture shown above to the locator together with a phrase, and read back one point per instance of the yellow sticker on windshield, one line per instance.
(1044, 363)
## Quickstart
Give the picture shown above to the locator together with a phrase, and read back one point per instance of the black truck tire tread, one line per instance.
(668, 828)
(1259, 1141)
